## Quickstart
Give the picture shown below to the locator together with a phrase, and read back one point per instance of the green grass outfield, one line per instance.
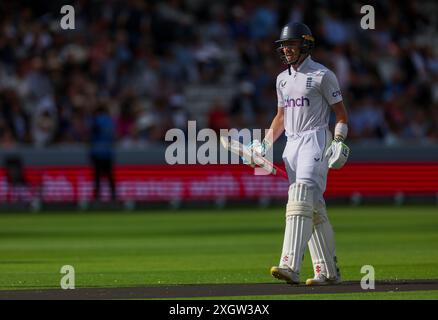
(207, 246)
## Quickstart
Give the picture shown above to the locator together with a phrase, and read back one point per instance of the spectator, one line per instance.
(101, 152)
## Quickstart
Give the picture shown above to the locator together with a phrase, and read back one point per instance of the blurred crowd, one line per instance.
(136, 58)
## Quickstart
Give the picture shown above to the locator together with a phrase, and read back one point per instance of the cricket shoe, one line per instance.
(285, 274)
(322, 280)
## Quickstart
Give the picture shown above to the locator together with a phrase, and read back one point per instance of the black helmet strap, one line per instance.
(296, 61)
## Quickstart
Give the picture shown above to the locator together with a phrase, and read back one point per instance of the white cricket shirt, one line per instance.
(306, 96)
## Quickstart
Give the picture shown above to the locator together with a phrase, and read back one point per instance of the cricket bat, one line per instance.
(254, 159)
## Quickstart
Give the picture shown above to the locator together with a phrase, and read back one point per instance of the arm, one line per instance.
(341, 128)
(338, 152)
(340, 112)
(332, 94)
(276, 128)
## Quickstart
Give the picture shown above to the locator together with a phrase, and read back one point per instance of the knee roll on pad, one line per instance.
(300, 201)
(319, 217)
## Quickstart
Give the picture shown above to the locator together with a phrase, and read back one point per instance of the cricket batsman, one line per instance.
(307, 92)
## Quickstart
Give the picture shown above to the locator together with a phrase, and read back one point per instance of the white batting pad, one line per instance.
(322, 250)
(298, 228)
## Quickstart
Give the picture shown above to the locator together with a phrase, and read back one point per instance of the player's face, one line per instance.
(291, 50)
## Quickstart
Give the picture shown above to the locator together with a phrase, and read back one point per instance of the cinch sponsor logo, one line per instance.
(298, 102)
(336, 93)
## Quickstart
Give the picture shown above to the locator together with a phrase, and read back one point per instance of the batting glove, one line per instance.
(337, 154)
(256, 147)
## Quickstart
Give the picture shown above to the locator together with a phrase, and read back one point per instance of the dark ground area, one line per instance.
(211, 290)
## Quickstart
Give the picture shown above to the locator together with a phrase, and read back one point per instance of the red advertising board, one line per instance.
(195, 182)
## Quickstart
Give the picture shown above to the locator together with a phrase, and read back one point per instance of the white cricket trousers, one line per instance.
(305, 161)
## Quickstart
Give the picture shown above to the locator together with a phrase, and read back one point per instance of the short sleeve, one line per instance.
(280, 100)
(330, 88)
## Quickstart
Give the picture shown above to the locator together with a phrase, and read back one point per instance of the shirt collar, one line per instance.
(304, 63)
